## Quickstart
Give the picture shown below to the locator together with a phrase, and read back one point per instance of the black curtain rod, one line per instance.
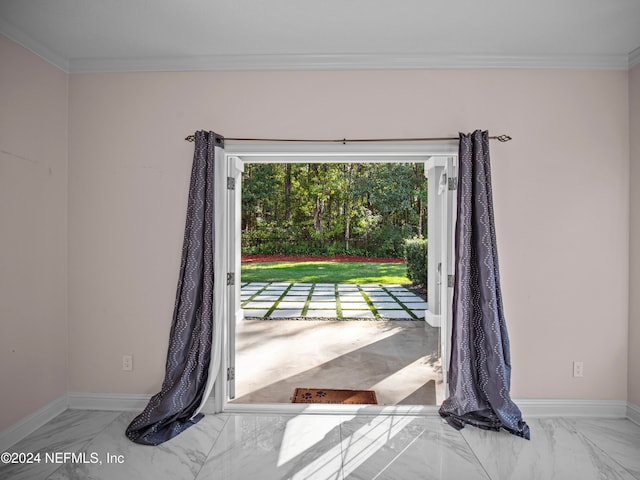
(344, 141)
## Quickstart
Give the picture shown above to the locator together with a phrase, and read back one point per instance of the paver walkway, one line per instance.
(281, 300)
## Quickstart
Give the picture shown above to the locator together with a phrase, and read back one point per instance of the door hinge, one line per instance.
(231, 278)
(231, 183)
(442, 183)
(453, 183)
(231, 374)
(451, 280)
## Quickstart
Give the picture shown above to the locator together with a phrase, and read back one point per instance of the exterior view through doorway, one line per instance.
(348, 330)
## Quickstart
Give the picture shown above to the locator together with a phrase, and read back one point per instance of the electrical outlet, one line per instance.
(127, 363)
(578, 369)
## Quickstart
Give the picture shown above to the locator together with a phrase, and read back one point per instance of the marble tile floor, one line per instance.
(328, 300)
(333, 447)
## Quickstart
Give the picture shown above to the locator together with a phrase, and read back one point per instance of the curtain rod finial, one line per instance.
(503, 138)
(190, 138)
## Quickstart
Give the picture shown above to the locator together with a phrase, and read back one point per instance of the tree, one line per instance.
(334, 204)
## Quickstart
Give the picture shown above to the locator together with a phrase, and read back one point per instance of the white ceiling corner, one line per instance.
(22, 38)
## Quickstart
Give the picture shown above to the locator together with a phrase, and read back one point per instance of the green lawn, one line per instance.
(325, 272)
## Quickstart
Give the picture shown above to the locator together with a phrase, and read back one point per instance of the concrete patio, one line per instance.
(306, 342)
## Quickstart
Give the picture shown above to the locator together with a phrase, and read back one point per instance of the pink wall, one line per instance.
(561, 193)
(106, 232)
(634, 238)
(33, 233)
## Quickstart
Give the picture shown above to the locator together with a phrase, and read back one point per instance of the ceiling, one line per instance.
(176, 35)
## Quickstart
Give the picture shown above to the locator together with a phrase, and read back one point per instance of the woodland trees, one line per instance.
(332, 208)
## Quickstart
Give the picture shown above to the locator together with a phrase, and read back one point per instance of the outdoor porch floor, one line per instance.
(398, 359)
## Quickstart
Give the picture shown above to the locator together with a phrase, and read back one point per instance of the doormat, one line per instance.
(324, 395)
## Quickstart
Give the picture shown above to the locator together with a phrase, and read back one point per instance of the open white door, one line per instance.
(234, 189)
(441, 173)
(447, 191)
(220, 293)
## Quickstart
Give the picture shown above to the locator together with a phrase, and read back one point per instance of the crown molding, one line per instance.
(346, 62)
(401, 61)
(18, 36)
(634, 58)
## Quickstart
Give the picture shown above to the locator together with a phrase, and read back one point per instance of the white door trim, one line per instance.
(314, 153)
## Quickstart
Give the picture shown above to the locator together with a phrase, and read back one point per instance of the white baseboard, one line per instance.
(31, 423)
(121, 402)
(633, 413)
(539, 407)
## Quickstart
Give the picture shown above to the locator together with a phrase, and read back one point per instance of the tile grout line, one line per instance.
(587, 438)
(342, 452)
(84, 446)
(473, 452)
(224, 425)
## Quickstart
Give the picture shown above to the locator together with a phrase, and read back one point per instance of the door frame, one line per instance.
(233, 165)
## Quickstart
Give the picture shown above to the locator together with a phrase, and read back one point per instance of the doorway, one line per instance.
(351, 345)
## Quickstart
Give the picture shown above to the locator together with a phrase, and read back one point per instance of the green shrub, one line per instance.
(415, 254)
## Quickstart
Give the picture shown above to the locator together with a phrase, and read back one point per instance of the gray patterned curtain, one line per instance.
(172, 410)
(480, 368)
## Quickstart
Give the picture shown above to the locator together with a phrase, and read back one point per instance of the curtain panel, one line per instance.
(175, 408)
(480, 368)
